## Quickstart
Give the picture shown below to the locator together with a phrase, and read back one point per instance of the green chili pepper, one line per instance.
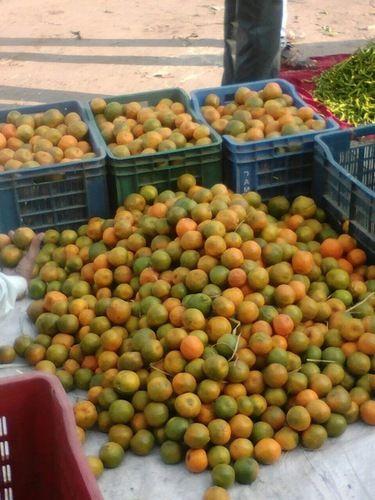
(348, 88)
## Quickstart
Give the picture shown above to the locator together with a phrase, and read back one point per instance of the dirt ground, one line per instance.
(52, 51)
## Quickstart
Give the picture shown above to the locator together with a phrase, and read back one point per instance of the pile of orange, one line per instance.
(40, 139)
(224, 329)
(256, 115)
(133, 128)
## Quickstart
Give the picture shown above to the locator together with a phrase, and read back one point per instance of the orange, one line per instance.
(196, 435)
(191, 240)
(232, 258)
(52, 298)
(229, 218)
(71, 366)
(295, 221)
(288, 236)
(86, 316)
(183, 382)
(241, 426)
(148, 275)
(63, 339)
(85, 414)
(235, 390)
(107, 360)
(331, 247)
(196, 460)
(193, 319)
(347, 242)
(118, 256)
(302, 262)
(76, 306)
(188, 405)
(298, 418)
(283, 325)
(90, 362)
(319, 410)
(206, 414)
(366, 343)
(367, 412)
(279, 341)
(284, 295)
(215, 245)
(251, 250)
(260, 343)
(254, 383)
(8, 130)
(267, 451)
(236, 277)
(275, 375)
(170, 303)
(232, 239)
(346, 265)
(184, 225)
(191, 347)
(261, 326)
(118, 311)
(356, 257)
(305, 396)
(257, 220)
(111, 340)
(234, 294)
(87, 273)
(247, 312)
(298, 288)
(241, 448)
(287, 438)
(100, 262)
(223, 307)
(220, 431)
(176, 315)
(103, 293)
(217, 326)
(67, 141)
(103, 277)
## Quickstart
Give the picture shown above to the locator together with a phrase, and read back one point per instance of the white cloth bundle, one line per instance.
(11, 289)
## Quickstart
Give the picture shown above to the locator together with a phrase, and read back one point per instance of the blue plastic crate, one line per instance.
(60, 195)
(344, 180)
(287, 160)
(161, 169)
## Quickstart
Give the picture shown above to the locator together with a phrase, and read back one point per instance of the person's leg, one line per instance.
(283, 38)
(230, 28)
(258, 40)
(290, 55)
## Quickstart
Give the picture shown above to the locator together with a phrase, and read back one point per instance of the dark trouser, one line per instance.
(252, 40)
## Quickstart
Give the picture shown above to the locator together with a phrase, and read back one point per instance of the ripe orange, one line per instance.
(302, 262)
(331, 247)
(356, 257)
(191, 347)
(196, 460)
(267, 451)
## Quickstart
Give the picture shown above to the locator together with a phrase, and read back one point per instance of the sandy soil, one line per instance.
(52, 50)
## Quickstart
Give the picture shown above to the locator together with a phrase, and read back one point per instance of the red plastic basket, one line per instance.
(40, 456)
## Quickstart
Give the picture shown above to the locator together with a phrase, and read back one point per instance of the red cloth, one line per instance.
(303, 81)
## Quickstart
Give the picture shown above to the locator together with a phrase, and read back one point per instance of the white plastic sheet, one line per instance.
(343, 469)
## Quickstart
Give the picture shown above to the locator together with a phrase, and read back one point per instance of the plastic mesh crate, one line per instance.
(344, 180)
(60, 195)
(161, 169)
(40, 456)
(287, 161)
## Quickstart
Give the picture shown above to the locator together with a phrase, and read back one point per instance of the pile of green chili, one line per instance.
(348, 88)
